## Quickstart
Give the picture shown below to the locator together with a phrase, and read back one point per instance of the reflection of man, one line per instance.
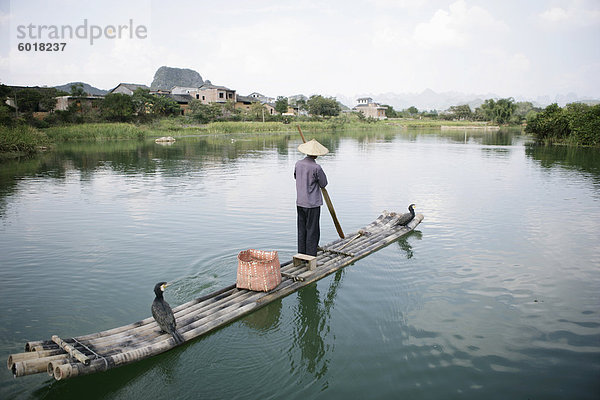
(310, 178)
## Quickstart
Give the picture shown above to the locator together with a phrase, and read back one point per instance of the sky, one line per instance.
(334, 48)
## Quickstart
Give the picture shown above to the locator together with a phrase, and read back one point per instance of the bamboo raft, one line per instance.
(96, 352)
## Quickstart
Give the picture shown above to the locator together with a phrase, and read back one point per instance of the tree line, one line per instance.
(576, 123)
(501, 111)
(143, 107)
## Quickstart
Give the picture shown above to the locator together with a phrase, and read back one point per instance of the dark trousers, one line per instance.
(309, 231)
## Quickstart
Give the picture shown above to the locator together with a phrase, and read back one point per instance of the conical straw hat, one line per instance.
(313, 148)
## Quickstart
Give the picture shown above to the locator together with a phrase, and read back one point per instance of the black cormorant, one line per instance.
(162, 313)
(406, 218)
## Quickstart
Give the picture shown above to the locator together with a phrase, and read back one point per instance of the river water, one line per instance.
(496, 295)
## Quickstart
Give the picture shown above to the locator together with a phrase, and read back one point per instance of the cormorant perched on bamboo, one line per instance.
(406, 218)
(162, 313)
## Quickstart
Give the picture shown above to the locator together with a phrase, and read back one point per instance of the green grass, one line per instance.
(186, 126)
(97, 131)
(21, 140)
(26, 139)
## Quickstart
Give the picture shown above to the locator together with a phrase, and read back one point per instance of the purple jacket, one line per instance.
(309, 179)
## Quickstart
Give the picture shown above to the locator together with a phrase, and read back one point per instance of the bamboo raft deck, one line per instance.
(112, 348)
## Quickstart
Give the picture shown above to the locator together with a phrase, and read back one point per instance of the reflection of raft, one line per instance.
(126, 344)
(165, 139)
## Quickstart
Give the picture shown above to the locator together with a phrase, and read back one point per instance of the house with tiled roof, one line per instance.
(261, 97)
(128, 88)
(209, 93)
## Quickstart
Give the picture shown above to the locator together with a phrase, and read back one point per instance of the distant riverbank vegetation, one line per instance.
(28, 126)
(576, 123)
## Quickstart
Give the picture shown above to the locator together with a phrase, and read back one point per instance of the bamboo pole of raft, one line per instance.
(133, 328)
(39, 345)
(148, 333)
(338, 227)
(151, 331)
(82, 358)
(222, 317)
(33, 345)
(13, 358)
(33, 366)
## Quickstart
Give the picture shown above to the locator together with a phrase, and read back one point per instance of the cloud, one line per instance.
(400, 3)
(555, 14)
(458, 26)
(576, 15)
(4, 18)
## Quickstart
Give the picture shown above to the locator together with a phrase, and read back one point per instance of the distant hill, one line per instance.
(89, 89)
(167, 77)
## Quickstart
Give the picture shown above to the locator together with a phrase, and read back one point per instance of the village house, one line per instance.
(261, 97)
(244, 102)
(369, 108)
(291, 111)
(128, 88)
(80, 103)
(270, 107)
(209, 93)
(183, 90)
(159, 91)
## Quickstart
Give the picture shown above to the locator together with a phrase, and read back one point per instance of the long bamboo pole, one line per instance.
(327, 199)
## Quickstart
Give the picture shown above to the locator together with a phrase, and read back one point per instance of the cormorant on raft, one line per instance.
(163, 315)
(406, 218)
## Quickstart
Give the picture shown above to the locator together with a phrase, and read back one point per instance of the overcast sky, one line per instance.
(507, 47)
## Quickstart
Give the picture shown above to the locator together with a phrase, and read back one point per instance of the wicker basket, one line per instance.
(258, 270)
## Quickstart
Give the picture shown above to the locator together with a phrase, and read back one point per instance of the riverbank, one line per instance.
(21, 141)
(24, 140)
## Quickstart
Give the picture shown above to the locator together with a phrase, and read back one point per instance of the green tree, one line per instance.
(281, 104)
(499, 112)
(301, 104)
(28, 100)
(5, 92)
(504, 110)
(77, 90)
(155, 105)
(117, 107)
(205, 113)
(389, 111)
(48, 100)
(552, 123)
(584, 123)
(6, 115)
(412, 110)
(461, 112)
(257, 111)
(326, 107)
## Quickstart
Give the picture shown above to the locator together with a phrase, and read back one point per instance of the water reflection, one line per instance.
(583, 159)
(311, 328)
(501, 137)
(186, 156)
(264, 319)
(405, 246)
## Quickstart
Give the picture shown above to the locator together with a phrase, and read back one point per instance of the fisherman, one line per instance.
(310, 178)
